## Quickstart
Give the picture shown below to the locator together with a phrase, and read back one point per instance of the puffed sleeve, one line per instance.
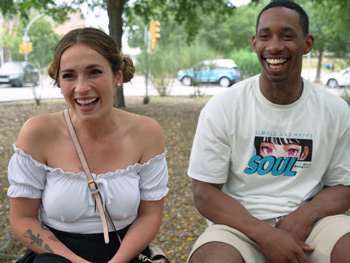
(26, 176)
(154, 178)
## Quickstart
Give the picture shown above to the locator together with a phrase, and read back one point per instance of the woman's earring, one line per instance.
(118, 84)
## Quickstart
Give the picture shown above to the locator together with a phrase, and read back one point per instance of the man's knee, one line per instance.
(216, 252)
(341, 251)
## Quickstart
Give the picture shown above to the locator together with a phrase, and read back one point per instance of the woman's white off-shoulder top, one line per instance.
(67, 203)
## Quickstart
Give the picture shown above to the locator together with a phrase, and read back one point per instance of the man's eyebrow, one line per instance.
(286, 28)
(264, 29)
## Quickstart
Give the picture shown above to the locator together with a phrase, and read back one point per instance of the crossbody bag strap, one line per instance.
(91, 182)
(94, 189)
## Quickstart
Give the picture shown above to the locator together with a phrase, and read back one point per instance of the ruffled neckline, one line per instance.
(131, 168)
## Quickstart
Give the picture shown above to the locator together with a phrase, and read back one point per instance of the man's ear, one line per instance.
(254, 42)
(309, 44)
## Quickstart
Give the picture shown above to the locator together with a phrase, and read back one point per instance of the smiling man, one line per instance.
(280, 42)
(270, 159)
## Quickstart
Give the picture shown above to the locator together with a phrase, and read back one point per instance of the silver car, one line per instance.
(19, 73)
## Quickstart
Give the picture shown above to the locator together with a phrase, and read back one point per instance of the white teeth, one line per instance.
(276, 61)
(86, 101)
(275, 66)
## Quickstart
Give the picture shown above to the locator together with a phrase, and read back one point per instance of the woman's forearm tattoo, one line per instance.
(46, 247)
(36, 239)
(44, 227)
(50, 237)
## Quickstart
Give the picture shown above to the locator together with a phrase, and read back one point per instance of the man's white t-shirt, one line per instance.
(272, 158)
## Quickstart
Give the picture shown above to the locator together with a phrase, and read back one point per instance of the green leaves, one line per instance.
(49, 7)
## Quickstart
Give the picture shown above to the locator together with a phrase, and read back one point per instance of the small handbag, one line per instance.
(157, 255)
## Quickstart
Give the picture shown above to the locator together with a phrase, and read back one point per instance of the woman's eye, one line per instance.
(95, 71)
(66, 76)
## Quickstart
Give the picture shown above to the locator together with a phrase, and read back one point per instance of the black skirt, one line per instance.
(91, 247)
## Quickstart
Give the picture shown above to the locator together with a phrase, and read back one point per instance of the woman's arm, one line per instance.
(32, 233)
(149, 136)
(142, 231)
(34, 138)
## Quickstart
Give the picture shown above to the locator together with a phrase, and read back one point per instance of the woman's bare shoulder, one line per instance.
(38, 132)
(41, 125)
(147, 133)
(144, 125)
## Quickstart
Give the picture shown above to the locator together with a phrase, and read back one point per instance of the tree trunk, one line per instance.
(319, 65)
(115, 10)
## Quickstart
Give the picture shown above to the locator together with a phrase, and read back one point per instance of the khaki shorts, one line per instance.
(323, 236)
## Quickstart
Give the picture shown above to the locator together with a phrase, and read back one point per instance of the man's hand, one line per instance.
(280, 246)
(299, 223)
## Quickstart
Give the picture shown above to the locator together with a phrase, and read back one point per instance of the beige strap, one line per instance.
(91, 182)
(94, 190)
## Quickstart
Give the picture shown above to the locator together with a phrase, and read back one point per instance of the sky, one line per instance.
(240, 2)
(96, 18)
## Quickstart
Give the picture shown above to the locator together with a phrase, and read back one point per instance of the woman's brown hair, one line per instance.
(100, 42)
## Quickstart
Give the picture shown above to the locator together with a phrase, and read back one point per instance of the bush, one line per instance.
(162, 69)
(247, 63)
(198, 51)
(165, 61)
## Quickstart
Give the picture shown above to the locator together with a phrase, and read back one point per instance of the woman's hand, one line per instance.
(147, 222)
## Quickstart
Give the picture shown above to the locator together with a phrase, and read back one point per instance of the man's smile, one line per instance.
(275, 63)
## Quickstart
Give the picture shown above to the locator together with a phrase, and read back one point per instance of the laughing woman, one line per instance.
(125, 153)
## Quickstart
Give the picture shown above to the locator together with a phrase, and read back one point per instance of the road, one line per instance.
(137, 87)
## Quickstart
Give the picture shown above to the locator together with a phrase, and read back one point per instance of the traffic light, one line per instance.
(25, 48)
(29, 47)
(21, 48)
(154, 29)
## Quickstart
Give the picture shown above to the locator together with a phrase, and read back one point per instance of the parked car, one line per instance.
(221, 71)
(337, 79)
(19, 73)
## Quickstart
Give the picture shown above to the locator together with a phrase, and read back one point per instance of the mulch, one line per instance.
(178, 116)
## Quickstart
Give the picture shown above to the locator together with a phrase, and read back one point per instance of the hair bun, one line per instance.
(51, 71)
(127, 68)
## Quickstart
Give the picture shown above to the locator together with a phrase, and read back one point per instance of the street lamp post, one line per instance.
(1, 43)
(25, 37)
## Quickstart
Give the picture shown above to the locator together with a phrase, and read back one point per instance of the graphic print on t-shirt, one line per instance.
(279, 156)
